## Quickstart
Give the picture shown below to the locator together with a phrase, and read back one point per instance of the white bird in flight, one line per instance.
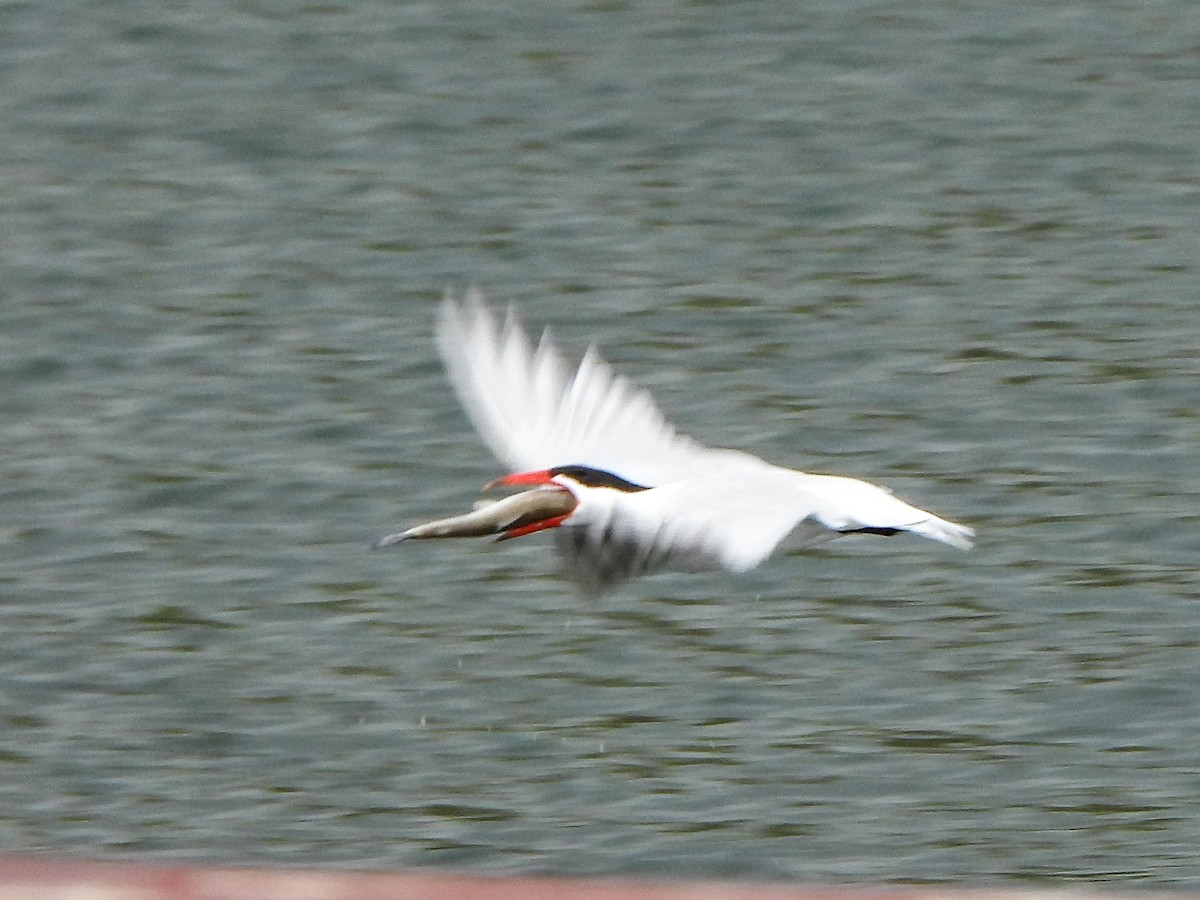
(625, 493)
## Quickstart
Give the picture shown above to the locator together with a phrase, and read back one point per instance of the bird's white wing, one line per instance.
(734, 519)
(533, 412)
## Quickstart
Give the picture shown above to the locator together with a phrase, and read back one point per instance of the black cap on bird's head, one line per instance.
(585, 476)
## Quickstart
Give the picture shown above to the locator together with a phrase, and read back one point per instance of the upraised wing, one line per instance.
(533, 412)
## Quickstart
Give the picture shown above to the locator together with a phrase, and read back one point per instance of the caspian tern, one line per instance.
(626, 494)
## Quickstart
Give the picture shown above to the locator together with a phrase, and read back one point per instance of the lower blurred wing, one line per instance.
(599, 559)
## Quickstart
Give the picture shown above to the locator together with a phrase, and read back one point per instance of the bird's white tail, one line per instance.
(941, 530)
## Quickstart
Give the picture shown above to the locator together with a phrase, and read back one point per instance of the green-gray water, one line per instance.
(949, 247)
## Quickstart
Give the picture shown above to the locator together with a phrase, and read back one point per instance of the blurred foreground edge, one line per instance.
(44, 878)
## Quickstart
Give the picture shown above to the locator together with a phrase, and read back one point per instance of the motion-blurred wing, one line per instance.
(599, 559)
(534, 412)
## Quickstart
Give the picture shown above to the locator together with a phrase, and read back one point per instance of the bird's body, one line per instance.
(646, 498)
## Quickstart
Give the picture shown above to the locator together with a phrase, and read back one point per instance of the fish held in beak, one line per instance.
(519, 514)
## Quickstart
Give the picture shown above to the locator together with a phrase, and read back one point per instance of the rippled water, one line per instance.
(948, 247)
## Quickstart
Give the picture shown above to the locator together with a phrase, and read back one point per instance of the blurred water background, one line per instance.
(947, 246)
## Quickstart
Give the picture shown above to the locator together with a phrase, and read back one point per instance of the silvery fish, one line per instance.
(500, 517)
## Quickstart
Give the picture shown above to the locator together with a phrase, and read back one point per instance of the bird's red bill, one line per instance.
(540, 476)
(552, 522)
